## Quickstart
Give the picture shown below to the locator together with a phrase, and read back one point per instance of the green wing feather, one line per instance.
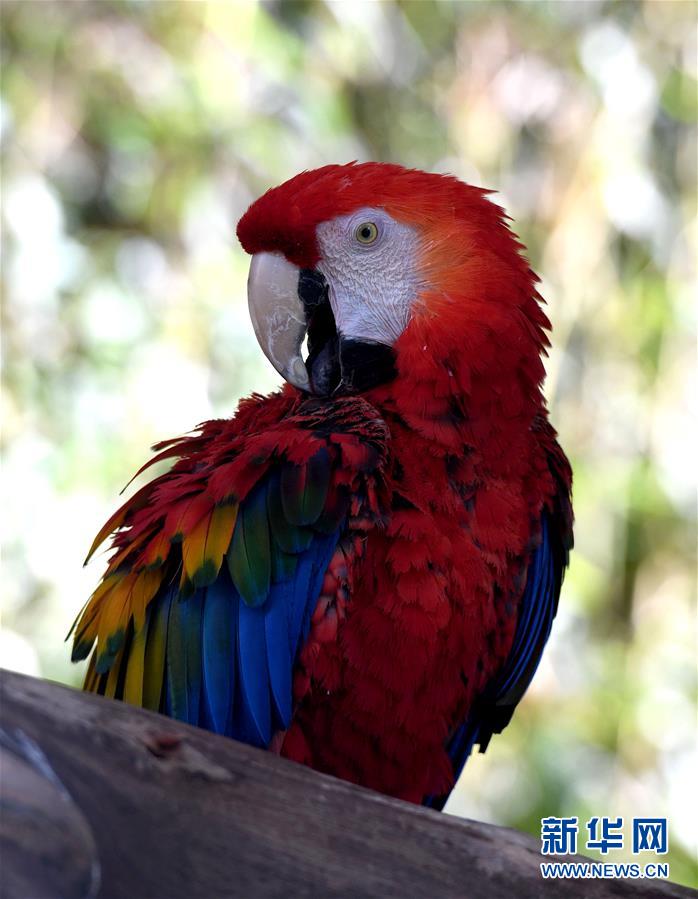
(176, 662)
(290, 538)
(304, 488)
(249, 556)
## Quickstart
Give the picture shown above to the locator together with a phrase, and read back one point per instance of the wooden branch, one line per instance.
(102, 799)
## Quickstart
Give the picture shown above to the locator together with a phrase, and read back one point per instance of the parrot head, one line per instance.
(389, 273)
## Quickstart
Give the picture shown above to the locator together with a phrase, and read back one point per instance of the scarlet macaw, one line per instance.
(359, 571)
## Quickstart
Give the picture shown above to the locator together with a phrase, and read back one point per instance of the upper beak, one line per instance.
(278, 316)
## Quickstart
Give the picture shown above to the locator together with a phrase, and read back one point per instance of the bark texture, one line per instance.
(100, 799)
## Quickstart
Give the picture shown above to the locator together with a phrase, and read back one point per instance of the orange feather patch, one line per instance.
(156, 551)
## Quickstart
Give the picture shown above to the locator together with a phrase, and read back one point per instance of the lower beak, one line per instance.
(278, 316)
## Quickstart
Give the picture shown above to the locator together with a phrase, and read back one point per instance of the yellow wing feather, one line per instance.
(203, 549)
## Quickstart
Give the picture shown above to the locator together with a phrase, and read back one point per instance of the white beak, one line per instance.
(277, 314)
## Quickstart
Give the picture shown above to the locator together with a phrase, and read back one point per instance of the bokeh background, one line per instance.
(134, 135)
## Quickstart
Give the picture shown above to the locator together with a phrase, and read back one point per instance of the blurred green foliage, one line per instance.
(134, 134)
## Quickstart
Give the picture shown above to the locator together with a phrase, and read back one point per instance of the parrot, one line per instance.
(360, 571)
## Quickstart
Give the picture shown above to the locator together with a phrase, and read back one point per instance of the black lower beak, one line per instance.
(338, 364)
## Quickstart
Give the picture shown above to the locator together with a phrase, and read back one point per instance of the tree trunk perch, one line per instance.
(100, 799)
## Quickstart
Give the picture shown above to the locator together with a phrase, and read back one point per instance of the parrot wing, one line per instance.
(219, 563)
(493, 710)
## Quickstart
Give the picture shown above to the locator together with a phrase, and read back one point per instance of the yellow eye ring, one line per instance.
(366, 233)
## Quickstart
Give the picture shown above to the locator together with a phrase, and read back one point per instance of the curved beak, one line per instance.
(278, 316)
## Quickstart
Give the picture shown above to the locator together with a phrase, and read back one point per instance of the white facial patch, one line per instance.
(371, 273)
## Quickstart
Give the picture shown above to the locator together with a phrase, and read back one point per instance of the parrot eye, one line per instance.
(366, 233)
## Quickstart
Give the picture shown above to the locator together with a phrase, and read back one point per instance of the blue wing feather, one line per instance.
(254, 671)
(298, 593)
(279, 654)
(532, 634)
(536, 612)
(193, 607)
(219, 649)
(287, 620)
